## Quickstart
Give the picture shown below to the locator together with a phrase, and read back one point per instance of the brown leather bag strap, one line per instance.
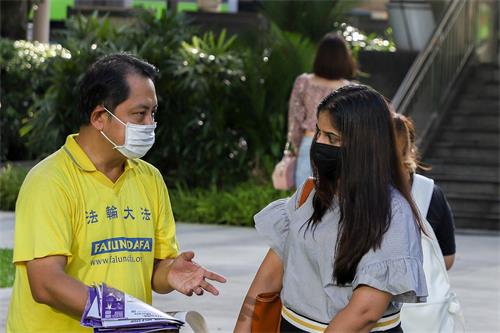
(306, 190)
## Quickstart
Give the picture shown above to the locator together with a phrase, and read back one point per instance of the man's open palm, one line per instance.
(188, 277)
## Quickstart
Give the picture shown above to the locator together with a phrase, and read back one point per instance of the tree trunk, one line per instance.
(41, 22)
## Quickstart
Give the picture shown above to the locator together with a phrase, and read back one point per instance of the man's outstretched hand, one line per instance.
(188, 277)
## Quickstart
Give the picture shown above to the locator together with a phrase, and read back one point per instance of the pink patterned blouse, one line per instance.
(304, 100)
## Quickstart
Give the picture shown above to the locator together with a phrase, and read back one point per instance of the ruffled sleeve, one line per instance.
(396, 267)
(272, 223)
(401, 277)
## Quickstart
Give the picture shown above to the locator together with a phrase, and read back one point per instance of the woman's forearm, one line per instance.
(268, 279)
(366, 307)
(351, 321)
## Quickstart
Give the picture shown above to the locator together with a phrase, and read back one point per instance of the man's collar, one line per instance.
(81, 159)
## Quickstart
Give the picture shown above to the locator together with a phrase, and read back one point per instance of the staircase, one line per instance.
(465, 151)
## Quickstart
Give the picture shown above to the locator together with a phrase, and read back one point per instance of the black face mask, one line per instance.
(327, 159)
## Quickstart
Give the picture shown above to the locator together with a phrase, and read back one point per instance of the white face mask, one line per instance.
(138, 139)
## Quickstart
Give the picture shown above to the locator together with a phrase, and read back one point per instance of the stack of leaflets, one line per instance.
(111, 310)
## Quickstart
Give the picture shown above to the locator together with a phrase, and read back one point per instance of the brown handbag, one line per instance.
(266, 315)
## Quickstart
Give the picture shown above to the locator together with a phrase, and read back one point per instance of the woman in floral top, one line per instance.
(333, 68)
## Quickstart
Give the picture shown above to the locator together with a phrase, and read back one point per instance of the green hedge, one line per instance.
(222, 102)
(235, 206)
(11, 179)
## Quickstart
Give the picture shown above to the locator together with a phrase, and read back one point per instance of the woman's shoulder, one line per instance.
(321, 83)
(302, 78)
(401, 212)
(300, 83)
(438, 194)
(398, 201)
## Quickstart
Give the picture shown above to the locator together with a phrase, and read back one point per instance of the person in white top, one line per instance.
(439, 215)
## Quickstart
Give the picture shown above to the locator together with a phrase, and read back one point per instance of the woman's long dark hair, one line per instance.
(369, 166)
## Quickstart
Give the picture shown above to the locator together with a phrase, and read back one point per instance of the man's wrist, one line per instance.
(91, 296)
(161, 276)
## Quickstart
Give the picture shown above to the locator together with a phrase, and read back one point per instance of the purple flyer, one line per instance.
(112, 303)
(110, 310)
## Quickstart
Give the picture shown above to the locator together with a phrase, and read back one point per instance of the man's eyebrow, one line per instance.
(145, 106)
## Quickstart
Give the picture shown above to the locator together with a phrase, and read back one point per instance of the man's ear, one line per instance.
(98, 117)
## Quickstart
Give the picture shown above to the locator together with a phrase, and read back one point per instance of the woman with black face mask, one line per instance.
(345, 249)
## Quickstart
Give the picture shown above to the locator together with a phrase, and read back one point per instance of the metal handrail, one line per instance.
(431, 78)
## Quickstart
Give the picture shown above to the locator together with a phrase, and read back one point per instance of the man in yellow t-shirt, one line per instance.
(94, 212)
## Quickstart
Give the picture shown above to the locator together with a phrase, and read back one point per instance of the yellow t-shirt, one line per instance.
(110, 232)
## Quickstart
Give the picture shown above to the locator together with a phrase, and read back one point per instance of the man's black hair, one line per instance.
(106, 82)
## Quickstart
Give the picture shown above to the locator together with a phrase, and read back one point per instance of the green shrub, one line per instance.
(11, 179)
(7, 269)
(211, 148)
(22, 68)
(222, 102)
(237, 103)
(310, 18)
(358, 40)
(270, 74)
(233, 206)
(53, 114)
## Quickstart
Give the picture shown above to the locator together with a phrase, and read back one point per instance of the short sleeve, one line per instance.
(165, 241)
(440, 218)
(396, 267)
(43, 219)
(272, 223)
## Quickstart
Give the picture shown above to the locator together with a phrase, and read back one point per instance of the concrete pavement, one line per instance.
(6, 230)
(236, 253)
